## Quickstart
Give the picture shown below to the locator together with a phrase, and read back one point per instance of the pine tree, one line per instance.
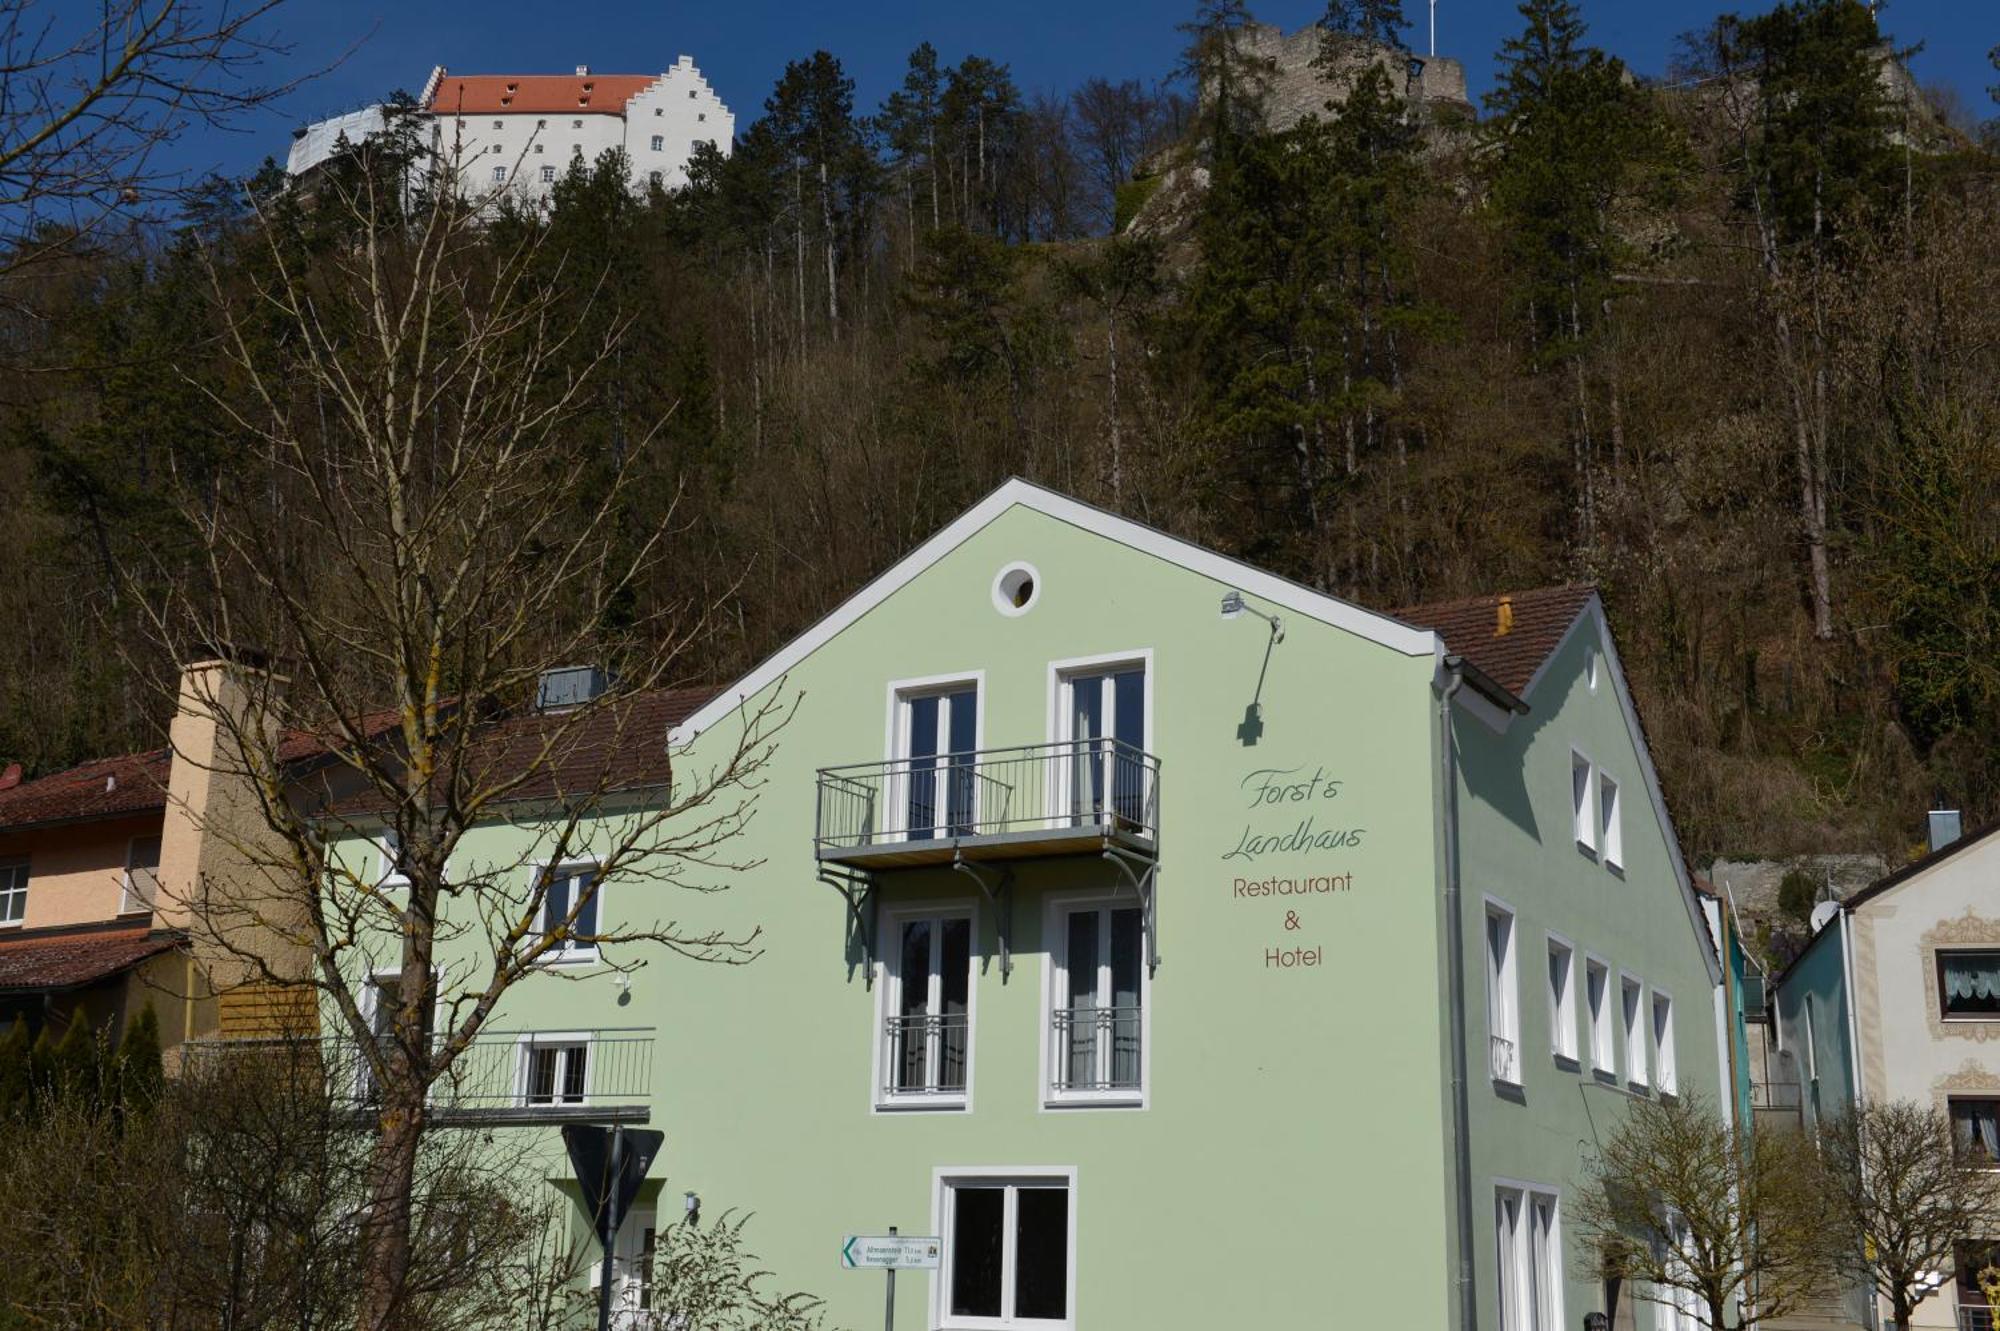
(908, 123)
(1231, 82)
(138, 1062)
(1368, 22)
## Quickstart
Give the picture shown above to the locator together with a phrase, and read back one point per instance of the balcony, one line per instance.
(1776, 1104)
(504, 1077)
(1076, 797)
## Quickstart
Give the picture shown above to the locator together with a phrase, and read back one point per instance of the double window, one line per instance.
(1503, 1011)
(659, 142)
(142, 875)
(1007, 1251)
(555, 1070)
(570, 890)
(1097, 1016)
(927, 996)
(1976, 1124)
(1103, 735)
(1529, 1266)
(937, 734)
(1597, 812)
(1969, 985)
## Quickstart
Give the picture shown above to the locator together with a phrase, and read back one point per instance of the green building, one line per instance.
(1179, 945)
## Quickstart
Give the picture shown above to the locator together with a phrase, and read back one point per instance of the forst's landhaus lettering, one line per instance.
(1270, 786)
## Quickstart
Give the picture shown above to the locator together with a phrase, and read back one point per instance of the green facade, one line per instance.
(1291, 1157)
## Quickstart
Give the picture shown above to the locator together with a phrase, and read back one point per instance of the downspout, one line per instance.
(1851, 1016)
(1454, 925)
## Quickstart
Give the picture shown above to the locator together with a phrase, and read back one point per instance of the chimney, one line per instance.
(1503, 618)
(1946, 827)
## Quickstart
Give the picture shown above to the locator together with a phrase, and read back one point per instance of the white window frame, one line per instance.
(548, 172)
(128, 904)
(659, 142)
(896, 737)
(1583, 801)
(16, 892)
(1503, 994)
(1056, 910)
(1562, 1007)
(570, 953)
(525, 1047)
(370, 1002)
(387, 876)
(1638, 1024)
(1062, 718)
(1520, 1270)
(1611, 821)
(888, 1000)
(943, 1180)
(1666, 1065)
(499, 172)
(1603, 1032)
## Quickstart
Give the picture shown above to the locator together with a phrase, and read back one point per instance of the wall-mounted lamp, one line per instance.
(691, 1207)
(1234, 607)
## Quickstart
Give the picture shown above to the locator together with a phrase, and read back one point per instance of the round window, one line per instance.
(1015, 590)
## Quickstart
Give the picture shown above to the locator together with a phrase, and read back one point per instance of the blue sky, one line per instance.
(1052, 45)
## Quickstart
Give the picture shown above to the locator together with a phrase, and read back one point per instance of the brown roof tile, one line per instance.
(1534, 624)
(101, 788)
(71, 960)
(531, 94)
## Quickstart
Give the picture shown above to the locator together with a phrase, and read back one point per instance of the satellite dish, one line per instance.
(1822, 913)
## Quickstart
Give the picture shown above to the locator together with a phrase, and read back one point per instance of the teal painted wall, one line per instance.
(1290, 1165)
(1817, 981)
(1520, 847)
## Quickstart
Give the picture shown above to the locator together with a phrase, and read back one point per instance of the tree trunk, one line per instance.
(1117, 451)
(826, 222)
(386, 1217)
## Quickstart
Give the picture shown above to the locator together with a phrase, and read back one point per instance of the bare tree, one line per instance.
(403, 528)
(1910, 1193)
(91, 94)
(1693, 1214)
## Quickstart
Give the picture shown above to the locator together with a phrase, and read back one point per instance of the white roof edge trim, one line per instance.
(1593, 614)
(1365, 624)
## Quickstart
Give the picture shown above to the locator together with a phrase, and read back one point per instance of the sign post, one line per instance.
(610, 1165)
(889, 1254)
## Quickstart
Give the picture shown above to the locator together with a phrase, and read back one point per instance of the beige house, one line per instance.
(126, 881)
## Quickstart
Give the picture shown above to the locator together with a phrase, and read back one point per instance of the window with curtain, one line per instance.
(1502, 1011)
(1104, 722)
(1969, 985)
(566, 887)
(1096, 987)
(1976, 1123)
(1562, 999)
(927, 1034)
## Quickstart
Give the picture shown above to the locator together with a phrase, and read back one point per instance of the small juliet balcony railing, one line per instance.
(924, 1057)
(1096, 1050)
(1071, 797)
(504, 1076)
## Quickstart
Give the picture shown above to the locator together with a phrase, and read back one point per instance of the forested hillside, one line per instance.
(1726, 344)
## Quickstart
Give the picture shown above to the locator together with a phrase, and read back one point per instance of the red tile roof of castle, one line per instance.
(536, 94)
(1507, 648)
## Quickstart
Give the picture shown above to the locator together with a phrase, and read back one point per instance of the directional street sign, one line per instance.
(891, 1252)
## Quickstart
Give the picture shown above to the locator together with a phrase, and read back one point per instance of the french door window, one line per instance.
(555, 1072)
(1096, 1025)
(1529, 1268)
(939, 732)
(1104, 727)
(927, 1032)
(1006, 1252)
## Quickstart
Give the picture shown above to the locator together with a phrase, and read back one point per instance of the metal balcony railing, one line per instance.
(1775, 1095)
(1977, 1319)
(1096, 1049)
(502, 1075)
(1502, 1054)
(924, 1054)
(1033, 799)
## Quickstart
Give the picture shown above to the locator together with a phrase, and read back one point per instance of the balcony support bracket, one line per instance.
(1140, 872)
(999, 889)
(858, 889)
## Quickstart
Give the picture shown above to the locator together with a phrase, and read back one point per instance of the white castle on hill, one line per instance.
(514, 135)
